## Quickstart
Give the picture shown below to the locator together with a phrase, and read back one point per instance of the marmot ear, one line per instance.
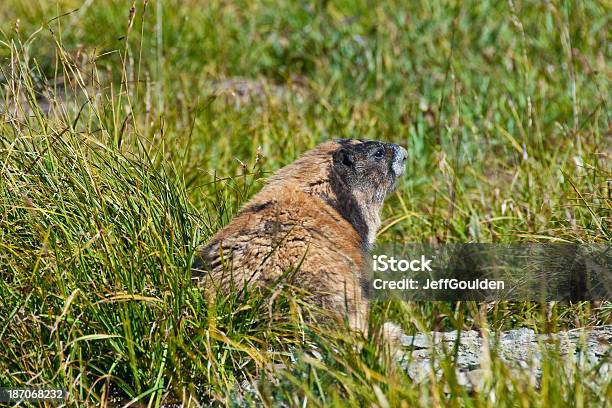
(344, 157)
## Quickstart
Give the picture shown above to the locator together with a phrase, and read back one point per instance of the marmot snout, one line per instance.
(320, 213)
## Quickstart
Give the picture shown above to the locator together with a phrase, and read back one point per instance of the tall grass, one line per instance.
(127, 139)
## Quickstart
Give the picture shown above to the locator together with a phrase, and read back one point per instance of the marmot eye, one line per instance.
(380, 154)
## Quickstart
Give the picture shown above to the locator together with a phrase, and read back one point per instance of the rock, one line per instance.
(523, 350)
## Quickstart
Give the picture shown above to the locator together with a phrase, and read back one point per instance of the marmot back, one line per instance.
(320, 215)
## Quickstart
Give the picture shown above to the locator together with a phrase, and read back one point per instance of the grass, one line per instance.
(125, 143)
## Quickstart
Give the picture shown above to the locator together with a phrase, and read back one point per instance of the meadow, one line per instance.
(131, 131)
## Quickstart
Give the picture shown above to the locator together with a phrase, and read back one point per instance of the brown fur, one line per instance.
(308, 216)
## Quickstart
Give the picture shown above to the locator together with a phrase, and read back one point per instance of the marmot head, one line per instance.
(362, 174)
(369, 169)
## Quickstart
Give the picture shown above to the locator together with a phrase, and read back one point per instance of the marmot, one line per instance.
(319, 215)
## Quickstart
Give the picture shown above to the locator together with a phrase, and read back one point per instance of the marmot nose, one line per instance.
(400, 153)
(399, 161)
